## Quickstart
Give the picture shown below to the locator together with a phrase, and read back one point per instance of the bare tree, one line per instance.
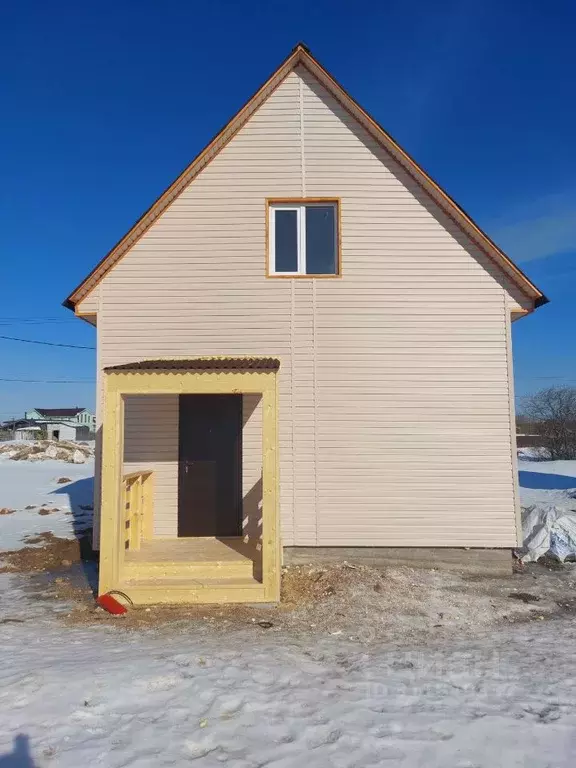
(553, 413)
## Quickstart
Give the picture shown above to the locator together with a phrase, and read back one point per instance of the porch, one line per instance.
(222, 547)
(203, 570)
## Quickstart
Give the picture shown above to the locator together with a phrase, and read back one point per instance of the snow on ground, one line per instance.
(26, 483)
(116, 699)
(549, 482)
(189, 694)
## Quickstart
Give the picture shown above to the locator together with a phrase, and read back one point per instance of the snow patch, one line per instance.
(33, 485)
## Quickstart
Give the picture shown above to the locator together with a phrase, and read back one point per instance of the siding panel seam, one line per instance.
(302, 139)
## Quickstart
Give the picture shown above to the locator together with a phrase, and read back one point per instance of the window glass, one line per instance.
(320, 240)
(286, 240)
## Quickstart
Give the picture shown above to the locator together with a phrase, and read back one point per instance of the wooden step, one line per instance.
(242, 567)
(171, 591)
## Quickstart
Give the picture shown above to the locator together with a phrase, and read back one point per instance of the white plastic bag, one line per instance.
(547, 528)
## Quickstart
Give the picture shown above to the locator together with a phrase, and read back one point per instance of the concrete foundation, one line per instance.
(485, 562)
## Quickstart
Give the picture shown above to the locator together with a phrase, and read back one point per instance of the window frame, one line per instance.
(298, 204)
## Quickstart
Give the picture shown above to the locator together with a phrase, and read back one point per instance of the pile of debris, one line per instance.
(41, 450)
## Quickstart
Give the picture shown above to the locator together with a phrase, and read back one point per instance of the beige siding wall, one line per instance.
(412, 390)
(151, 442)
(394, 385)
(195, 285)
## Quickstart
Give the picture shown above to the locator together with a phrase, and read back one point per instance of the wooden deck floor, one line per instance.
(183, 550)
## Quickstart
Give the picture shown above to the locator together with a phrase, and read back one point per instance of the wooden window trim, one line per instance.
(270, 201)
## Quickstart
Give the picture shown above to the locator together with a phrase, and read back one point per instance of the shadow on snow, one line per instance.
(20, 756)
(545, 481)
(81, 495)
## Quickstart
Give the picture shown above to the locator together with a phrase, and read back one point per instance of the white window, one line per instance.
(303, 238)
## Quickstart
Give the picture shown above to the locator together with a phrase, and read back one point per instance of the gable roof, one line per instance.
(59, 412)
(301, 55)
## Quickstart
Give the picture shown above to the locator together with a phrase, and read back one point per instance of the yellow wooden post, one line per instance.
(130, 512)
(112, 537)
(270, 523)
(136, 523)
(148, 511)
(125, 507)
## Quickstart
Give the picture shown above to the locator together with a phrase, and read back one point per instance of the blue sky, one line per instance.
(104, 103)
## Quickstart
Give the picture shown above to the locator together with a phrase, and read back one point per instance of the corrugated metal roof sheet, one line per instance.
(201, 364)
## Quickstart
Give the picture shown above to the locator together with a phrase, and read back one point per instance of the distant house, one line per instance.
(72, 417)
(47, 426)
(29, 432)
(62, 423)
(12, 424)
(59, 430)
(20, 429)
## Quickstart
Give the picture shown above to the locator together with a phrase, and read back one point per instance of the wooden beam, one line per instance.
(148, 518)
(112, 538)
(176, 382)
(270, 522)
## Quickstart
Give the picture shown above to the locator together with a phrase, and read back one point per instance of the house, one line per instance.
(53, 424)
(13, 424)
(22, 429)
(65, 423)
(27, 433)
(304, 345)
(62, 430)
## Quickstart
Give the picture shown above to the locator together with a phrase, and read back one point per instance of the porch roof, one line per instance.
(201, 364)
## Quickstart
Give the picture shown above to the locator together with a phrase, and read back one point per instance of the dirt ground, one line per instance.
(353, 601)
(54, 553)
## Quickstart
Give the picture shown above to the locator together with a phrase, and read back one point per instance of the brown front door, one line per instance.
(209, 467)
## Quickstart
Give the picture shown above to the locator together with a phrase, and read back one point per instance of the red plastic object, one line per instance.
(111, 605)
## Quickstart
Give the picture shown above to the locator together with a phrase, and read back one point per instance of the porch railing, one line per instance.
(137, 506)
